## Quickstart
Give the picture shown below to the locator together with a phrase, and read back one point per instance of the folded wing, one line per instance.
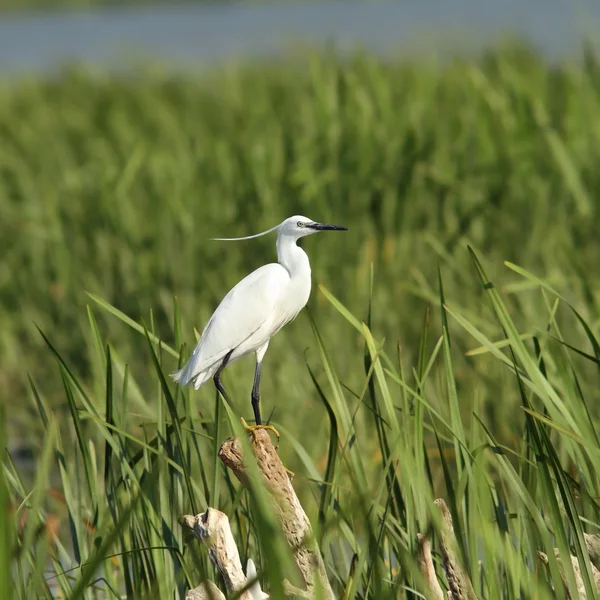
(247, 307)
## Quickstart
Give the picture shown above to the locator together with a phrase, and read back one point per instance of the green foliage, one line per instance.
(453, 350)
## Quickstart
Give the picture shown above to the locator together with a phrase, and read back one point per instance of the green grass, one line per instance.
(449, 349)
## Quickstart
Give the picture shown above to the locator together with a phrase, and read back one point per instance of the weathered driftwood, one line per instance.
(427, 569)
(458, 580)
(205, 591)
(292, 518)
(578, 579)
(212, 527)
(592, 544)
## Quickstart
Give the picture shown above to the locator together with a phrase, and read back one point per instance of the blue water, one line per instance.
(195, 35)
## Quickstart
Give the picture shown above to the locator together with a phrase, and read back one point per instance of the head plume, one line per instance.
(248, 237)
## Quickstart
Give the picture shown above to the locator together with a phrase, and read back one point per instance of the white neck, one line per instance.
(291, 256)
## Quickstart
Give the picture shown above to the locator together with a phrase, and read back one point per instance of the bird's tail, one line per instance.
(187, 375)
(179, 377)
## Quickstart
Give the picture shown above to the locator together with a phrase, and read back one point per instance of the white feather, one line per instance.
(255, 590)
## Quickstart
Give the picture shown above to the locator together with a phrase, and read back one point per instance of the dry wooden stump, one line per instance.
(576, 570)
(213, 528)
(458, 580)
(427, 569)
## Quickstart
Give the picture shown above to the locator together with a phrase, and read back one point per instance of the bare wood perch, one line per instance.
(427, 569)
(578, 579)
(293, 520)
(213, 528)
(458, 580)
(592, 544)
(205, 591)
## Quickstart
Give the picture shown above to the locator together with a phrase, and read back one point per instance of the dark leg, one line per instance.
(256, 400)
(217, 376)
(256, 396)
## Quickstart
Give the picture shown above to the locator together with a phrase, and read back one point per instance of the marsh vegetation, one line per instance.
(450, 347)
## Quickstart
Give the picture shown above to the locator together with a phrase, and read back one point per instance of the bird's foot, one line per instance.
(254, 428)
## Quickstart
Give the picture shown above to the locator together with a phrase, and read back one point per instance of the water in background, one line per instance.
(194, 35)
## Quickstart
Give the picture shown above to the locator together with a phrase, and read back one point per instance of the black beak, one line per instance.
(326, 227)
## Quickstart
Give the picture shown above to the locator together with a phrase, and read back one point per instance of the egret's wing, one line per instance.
(241, 312)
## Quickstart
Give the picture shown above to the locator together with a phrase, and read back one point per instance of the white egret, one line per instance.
(255, 310)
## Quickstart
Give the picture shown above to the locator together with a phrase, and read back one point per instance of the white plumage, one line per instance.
(242, 322)
(255, 309)
(255, 589)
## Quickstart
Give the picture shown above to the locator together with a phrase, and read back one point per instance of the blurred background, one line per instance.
(132, 132)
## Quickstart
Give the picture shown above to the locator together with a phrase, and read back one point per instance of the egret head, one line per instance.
(299, 226)
(295, 227)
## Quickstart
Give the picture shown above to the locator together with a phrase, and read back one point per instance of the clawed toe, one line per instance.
(254, 428)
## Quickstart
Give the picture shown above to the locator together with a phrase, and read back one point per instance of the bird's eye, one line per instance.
(300, 224)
